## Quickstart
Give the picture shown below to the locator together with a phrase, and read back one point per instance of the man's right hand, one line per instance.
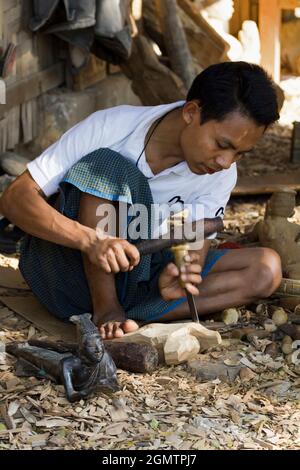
(112, 254)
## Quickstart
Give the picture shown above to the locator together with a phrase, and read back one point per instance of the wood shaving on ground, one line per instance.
(256, 406)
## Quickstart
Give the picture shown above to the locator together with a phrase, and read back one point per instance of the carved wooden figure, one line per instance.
(276, 232)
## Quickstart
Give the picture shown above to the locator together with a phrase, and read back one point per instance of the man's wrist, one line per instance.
(85, 237)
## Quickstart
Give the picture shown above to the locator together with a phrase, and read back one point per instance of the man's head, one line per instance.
(229, 106)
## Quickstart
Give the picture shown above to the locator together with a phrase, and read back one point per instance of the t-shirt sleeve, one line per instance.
(213, 204)
(49, 168)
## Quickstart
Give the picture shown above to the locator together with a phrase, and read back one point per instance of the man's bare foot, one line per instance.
(116, 329)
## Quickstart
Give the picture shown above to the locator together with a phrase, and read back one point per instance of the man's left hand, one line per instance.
(169, 281)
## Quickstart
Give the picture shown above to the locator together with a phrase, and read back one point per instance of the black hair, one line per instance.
(235, 86)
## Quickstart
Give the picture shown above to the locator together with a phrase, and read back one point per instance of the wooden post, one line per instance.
(152, 81)
(241, 14)
(175, 41)
(269, 27)
(1, 20)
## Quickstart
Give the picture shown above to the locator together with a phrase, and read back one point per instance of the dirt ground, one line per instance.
(256, 406)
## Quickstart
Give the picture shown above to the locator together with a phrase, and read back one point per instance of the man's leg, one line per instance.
(108, 314)
(237, 278)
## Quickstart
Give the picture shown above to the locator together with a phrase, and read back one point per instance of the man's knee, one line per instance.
(265, 272)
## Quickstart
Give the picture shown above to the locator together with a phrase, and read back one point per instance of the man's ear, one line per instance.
(191, 111)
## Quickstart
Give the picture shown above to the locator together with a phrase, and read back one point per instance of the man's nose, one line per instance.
(224, 161)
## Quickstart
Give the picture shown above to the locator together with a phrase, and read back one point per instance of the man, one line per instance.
(181, 153)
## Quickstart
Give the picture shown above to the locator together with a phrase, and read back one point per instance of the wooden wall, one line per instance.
(36, 64)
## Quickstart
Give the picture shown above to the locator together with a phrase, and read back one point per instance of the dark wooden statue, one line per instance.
(88, 370)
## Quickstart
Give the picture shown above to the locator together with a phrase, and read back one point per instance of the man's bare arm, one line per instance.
(24, 204)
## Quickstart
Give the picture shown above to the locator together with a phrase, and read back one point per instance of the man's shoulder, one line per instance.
(127, 111)
(119, 121)
(115, 111)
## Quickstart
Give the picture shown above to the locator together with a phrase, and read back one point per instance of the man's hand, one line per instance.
(112, 254)
(169, 280)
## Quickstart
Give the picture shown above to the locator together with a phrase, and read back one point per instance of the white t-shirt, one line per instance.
(123, 129)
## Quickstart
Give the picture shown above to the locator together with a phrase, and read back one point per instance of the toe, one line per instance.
(129, 326)
(118, 332)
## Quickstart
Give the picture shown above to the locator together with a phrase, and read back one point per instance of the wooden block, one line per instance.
(133, 357)
(180, 347)
(172, 340)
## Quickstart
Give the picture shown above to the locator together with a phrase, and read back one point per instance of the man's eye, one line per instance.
(220, 146)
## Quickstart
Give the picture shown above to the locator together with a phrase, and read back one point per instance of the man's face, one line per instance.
(215, 146)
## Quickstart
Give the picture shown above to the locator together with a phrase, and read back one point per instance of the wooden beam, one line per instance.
(266, 184)
(33, 86)
(152, 81)
(175, 41)
(242, 12)
(289, 4)
(192, 11)
(269, 27)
